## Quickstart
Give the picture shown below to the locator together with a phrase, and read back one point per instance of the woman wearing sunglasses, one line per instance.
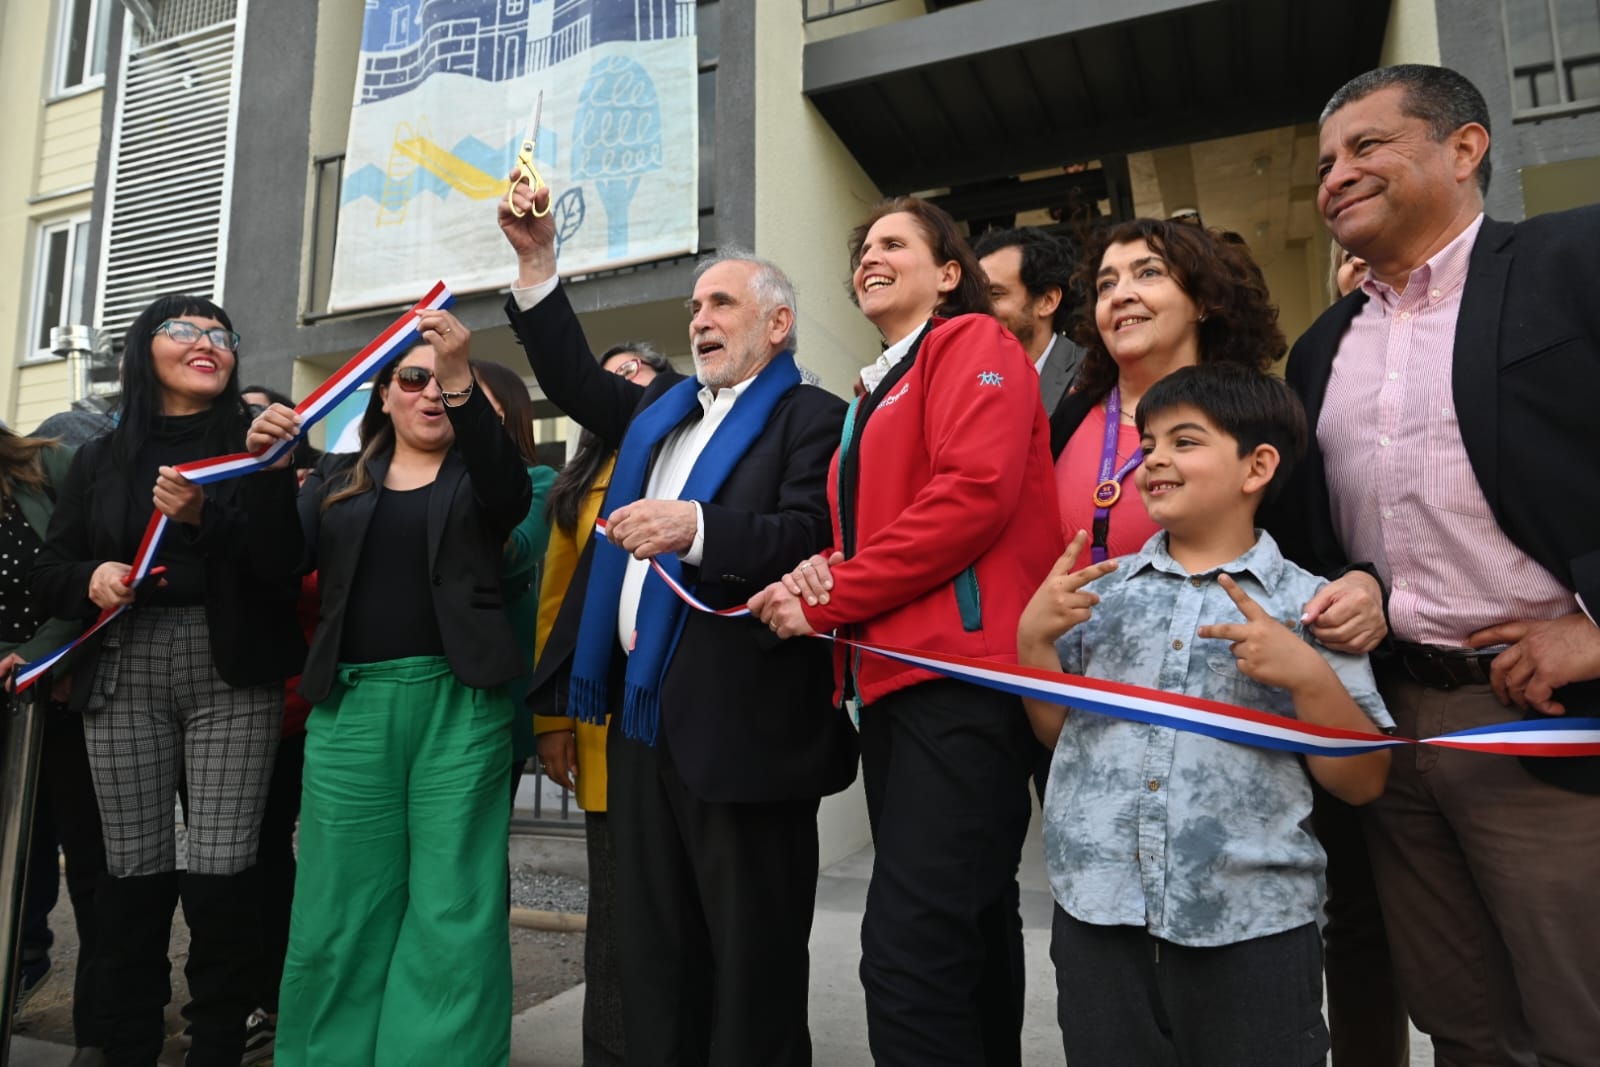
(188, 687)
(397, 945)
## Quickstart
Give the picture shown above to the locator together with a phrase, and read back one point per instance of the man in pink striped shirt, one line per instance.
(1457, 450)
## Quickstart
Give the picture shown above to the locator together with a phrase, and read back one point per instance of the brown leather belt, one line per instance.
(1441, 668)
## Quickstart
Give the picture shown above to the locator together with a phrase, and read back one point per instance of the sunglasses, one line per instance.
(187, 333)
(413, 379)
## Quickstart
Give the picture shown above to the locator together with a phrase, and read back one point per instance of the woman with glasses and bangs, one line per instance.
(398, 951)
(188, 686)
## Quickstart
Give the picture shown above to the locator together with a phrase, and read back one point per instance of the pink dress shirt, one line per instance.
(1403, 492)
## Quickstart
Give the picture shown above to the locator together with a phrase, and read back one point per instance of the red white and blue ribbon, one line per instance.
(1554, 736)
(388, 345)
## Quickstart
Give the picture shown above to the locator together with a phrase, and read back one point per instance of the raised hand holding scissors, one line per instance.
(526, 172)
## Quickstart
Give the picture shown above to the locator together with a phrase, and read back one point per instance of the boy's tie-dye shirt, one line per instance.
(1203, 842)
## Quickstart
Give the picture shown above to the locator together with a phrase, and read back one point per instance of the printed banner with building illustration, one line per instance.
(444, 97)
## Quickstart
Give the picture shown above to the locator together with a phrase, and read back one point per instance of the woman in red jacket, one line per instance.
(944, 517)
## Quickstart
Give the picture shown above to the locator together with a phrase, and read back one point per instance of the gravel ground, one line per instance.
(548, 891)
(543, 964)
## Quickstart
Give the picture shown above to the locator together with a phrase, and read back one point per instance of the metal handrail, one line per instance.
(19, 771)
(817, 10)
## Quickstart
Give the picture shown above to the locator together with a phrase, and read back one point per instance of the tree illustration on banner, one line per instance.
(616, 139)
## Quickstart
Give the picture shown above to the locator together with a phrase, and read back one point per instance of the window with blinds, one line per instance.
(170, 172)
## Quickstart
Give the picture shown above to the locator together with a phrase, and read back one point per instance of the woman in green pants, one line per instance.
(398, 948)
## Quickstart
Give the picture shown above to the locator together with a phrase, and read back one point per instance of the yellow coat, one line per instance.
(560, 560)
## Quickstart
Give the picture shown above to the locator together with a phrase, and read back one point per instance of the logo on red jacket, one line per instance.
(905, 387)
(990, 377)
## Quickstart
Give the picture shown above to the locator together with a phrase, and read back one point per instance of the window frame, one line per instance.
(1564, 106)
(76, 227)
(99, 32)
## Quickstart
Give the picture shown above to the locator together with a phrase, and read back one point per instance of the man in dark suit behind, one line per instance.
(1456, 448)
(717, 756)
(1029, 283)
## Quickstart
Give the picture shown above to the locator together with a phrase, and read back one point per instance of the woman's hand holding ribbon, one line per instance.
(278, 422)
(813, 579)
(177, 497)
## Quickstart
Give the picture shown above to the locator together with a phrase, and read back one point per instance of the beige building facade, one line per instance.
(52, 69)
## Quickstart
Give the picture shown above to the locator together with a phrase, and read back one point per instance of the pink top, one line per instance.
(1078, 472)
(1403, 492)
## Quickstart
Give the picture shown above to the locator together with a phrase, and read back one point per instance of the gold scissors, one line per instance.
(526, 172)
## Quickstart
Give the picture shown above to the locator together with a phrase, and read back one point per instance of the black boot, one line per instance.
(134, 916)
(224, 915)
(84, 891)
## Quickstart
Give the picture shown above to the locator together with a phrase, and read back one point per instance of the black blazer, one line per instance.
(481, 493)
(248, 537)
(747, 717)
(1527, 357)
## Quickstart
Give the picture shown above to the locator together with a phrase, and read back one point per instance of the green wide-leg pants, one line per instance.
(399, 951)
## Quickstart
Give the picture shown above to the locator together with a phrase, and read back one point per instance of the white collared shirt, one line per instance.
(679, 451)
(1044, 356)
(669, 472)
(873, 374)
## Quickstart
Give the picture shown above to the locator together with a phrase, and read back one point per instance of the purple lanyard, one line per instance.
(1108, 490)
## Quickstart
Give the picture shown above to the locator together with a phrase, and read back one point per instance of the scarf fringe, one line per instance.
(641, 714)
(586, 700)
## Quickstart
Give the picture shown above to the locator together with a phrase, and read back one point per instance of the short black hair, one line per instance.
(1047, 262)
(1251, 406)
(1439, 96)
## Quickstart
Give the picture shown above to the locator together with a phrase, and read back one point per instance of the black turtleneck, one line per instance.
(173, 439)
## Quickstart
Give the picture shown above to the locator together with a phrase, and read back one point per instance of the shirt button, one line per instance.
(1388, 513)
(1155, 784)
(1384, 440)
(1435, 293)
(1394, 375)
(1177, 644)
(1195, 582)
(1401, 583)
(1406, 315)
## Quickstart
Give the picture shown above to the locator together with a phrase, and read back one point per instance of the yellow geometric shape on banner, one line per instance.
(415, 147)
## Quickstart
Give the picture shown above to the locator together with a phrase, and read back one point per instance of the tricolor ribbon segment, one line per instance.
(399, 336)
(1555, 736)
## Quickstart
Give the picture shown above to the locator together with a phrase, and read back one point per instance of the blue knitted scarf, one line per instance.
(661, 615)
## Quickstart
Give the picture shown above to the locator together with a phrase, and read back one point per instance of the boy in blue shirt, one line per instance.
(1186, 877)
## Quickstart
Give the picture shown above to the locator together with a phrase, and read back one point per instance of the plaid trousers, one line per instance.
(158, 710)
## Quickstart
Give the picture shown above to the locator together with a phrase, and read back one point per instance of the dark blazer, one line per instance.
(480, 494)
(1060, 371)
(247, 535)
(1527, 357)
(747, 717)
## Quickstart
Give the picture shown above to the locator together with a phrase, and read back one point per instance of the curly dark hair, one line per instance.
(1216, 271)
(971, 294)
(1047, 263)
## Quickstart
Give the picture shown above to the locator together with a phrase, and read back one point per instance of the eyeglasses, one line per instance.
(187, 333)
(413, 379)
(627, 369)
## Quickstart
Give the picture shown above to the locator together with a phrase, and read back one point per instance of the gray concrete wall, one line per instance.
(1472, 40)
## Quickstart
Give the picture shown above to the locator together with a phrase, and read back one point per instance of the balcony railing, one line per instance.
(826, 9)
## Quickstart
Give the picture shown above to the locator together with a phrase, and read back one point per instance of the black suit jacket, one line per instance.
(247, 537)
(1526, 364)
(747, 718)
(480, 494)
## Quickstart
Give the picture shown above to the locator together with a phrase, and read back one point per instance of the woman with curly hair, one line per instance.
(1167, 294)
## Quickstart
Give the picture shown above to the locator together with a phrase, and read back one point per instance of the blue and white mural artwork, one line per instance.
(444, 97)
